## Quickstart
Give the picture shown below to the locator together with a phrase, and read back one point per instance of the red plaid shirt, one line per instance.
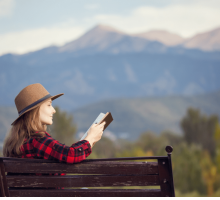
(48, 148)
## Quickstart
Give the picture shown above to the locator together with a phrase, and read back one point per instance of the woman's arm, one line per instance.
(51, 149)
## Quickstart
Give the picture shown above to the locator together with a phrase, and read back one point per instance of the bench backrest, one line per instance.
(95, 174)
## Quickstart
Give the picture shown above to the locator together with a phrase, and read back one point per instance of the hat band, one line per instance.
(33, 104)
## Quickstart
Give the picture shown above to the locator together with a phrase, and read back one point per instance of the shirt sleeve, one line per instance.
(51, 149)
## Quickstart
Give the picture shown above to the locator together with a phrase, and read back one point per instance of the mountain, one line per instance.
(208, 41)
(90, 78)
(104, 39)
(165, 37)
(105, 63)
(145, 84)
(100, 36)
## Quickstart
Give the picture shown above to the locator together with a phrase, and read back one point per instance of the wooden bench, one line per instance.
(120, 174)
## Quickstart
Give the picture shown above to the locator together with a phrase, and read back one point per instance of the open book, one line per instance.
(101, 118)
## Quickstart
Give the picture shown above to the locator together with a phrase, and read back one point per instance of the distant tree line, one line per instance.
(196, 155)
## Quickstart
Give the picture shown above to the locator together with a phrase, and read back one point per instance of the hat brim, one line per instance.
(52, 97)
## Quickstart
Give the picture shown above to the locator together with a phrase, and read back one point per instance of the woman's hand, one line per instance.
(95, 133)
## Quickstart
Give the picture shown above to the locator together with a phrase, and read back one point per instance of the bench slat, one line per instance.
(82, 181)
(105, 167)
(87, 193)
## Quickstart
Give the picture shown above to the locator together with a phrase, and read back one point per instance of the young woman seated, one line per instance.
(28, 137)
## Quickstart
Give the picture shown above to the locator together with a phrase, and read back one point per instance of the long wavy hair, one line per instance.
(24, 128)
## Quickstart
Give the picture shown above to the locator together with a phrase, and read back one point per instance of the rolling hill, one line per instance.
(133, 116)
(136, 115)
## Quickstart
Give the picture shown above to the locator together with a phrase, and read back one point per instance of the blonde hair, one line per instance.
(24, 128)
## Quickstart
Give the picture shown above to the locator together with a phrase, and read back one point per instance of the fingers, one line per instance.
(94, 125)
(103, 124)
(100, 125)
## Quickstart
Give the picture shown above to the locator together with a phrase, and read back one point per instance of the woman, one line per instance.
(28, 137)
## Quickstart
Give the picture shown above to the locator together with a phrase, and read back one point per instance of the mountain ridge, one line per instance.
(165, 37)
(206, 41)
(107, 39)
(110, 40)
(127, 67)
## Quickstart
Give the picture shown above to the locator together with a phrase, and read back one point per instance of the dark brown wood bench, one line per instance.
(122, 177)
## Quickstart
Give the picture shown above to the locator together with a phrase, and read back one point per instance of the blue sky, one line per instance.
(28, 25)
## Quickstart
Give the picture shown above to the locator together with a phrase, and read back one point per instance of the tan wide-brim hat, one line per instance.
(31, 97)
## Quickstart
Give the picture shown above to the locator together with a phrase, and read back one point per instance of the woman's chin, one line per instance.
(48, 123)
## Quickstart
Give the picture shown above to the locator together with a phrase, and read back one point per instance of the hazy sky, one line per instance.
(27, 25)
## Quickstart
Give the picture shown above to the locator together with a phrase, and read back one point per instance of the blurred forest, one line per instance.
(195, 158)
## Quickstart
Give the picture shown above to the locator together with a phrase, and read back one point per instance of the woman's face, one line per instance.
(46, 112)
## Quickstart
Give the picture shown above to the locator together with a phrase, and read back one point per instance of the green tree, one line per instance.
(209, 172)
(151, 142)
(199, 129)
(63, 129)
(187, 171)
(171, 138)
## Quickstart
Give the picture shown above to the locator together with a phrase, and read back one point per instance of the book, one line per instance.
(101, 118)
